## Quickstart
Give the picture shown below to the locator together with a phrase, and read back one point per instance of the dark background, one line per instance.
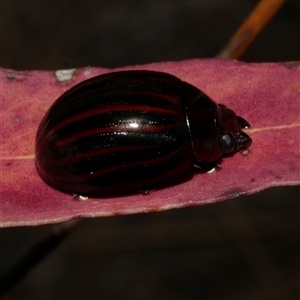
(246, 248)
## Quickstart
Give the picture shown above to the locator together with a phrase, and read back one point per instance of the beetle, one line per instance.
(132, 130)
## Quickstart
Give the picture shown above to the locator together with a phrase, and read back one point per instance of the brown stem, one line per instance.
(251, 27)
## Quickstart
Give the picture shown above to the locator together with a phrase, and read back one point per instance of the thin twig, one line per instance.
(249, 30)
(35, 254)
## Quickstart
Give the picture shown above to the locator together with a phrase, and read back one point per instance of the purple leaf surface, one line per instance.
(267, 95)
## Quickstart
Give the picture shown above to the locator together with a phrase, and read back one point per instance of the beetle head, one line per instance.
(232, 138)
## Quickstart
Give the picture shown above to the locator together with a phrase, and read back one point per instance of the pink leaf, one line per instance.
(267, 95)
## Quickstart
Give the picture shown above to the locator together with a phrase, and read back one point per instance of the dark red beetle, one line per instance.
(132, 130)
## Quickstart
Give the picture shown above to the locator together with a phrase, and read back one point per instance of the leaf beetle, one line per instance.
(131, 130)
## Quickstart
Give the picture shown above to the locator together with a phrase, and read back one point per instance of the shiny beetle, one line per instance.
(133, 130)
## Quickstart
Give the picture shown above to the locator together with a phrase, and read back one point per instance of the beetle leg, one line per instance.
(215, 169)
(80, 197)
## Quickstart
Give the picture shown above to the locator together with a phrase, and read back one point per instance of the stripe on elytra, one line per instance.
(115, 81)
(98, 152)
(114, 108)
(149, 162)
(116, 168)
(118, 129)
(95, 95)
